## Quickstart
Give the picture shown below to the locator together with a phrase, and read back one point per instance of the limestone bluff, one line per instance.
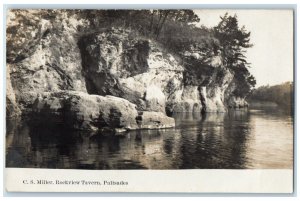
(62, 68)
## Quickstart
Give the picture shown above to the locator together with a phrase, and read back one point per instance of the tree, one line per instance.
(162, 16)
(244, 80)
(184, 16)
(233, 40)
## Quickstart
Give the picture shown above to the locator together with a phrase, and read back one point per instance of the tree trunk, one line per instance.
(151, 23)
(160, 28)
(157, 26)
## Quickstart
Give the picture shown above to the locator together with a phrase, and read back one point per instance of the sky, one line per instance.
(271, 57)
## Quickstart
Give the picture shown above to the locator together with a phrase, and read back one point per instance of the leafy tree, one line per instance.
(244, 80)
(282, 94)
(159, 18)
(233, 40)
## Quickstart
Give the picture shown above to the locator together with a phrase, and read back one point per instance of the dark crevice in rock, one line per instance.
(139, 118)
(96, 73)
(202, 100)
(88, 68)
(65, 77)
(45, 34)
(135, 59)
(17, 59)
(95, 68)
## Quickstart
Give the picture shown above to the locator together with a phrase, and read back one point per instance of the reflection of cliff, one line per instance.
(36, 146)
(217, 142)
(210, 141)
(17, 144)
(138, 149)
(57, 147)
(238, 139)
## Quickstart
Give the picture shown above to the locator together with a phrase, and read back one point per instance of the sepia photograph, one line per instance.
(155, 89)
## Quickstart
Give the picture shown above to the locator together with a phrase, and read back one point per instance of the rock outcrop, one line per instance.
(186, 99)
(79, 110)
(42, 54)
(12, 108)
(64, 70)
(48, 83)
(237, 102)
(213, 95)
(137, 69)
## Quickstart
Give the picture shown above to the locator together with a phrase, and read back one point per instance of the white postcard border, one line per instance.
(175, 181)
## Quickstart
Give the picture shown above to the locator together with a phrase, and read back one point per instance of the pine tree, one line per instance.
(233, 41)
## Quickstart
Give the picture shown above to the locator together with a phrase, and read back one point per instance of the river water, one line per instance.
(254, 138)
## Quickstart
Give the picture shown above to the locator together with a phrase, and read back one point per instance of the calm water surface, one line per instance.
(254, 138)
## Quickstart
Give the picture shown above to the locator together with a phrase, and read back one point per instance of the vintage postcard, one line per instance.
(158, 100)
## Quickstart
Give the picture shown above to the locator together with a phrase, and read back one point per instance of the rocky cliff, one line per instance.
(64, 69)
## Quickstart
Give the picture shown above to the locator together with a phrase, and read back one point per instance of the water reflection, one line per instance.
(238, 139)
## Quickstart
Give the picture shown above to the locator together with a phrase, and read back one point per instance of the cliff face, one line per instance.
(119, 64)
(43, 55)
(109, 78)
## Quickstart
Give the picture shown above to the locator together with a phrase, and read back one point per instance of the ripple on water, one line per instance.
(242, 139)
